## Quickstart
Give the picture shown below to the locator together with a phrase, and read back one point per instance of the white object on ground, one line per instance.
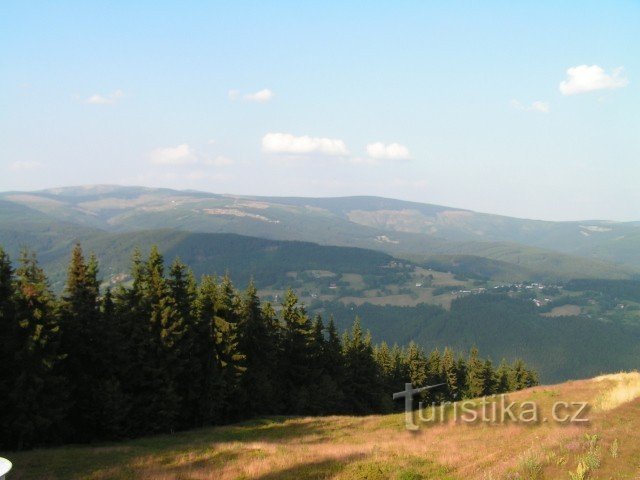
(5, 466)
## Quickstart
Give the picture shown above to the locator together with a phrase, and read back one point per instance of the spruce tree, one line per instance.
(435, 377)
(167, 330)
(8, 341)
(84, 349)
(475, 375)
(228, 352)
(331, 384)
(36, 391)
(503, 374)
(186, 367)
(363, 386)
(416, 365)
(297, 349)
(257, 341)
(209, 385)
(450, 375)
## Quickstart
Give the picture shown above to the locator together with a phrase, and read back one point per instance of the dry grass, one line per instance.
(377, 447)
(625, 388)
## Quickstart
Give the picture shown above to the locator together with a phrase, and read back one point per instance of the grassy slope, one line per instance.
(375, 447)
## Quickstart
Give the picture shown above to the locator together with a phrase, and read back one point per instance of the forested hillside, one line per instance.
(547, 250)
(169, 352)
(560, 348)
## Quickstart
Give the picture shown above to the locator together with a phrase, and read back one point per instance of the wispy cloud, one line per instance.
(392, 151)
(585, 78)
(286, 143)
(180, 155)
(537, 106)
(261, 96)
(22, 165)
(186, 156)
(109, 99)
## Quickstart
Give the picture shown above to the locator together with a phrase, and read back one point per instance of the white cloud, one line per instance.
(97, 99)
(537, 106)
(585, 78)
(290, 144)
(219, 161)
(180, 155)
(393, 151)
(24, 165)
(261, 96)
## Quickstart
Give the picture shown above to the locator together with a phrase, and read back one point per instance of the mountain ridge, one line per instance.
(400, 228)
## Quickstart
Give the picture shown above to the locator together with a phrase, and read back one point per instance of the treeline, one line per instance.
(167, 352)
(615, 289)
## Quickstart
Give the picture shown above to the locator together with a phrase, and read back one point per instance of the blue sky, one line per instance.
(456, 103)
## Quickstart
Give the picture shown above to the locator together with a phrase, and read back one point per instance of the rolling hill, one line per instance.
(541, 250)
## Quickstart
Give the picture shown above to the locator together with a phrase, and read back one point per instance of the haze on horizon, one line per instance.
(528, 109)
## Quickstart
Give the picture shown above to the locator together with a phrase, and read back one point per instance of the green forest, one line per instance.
(168, 352)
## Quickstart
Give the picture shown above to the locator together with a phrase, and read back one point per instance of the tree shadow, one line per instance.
(312, 470)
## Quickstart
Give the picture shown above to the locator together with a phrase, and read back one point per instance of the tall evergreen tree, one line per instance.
(186, 367)
(8, 341)
(363, 386)
(297, 347)
(450, 375)
(257, 341)
(209, 385)
(36, 389)
(229, 354)
(83, 346)
(475, 375)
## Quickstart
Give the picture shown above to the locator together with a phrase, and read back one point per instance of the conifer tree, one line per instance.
(297, 348)
(228, 352)
(167, 330)
(114, 404)
(8, 338)
(450, 375)
(209, 385)
(416, 365)
(363, 389)
(400, 372)
(332, 379)
(83, 346)
(503, 374)
(186, 367)
(475, 375)
(36, 391)
(257, 342)
(435, 377)
(382, 356)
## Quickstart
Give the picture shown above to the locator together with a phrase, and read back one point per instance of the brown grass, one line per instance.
(376, 447)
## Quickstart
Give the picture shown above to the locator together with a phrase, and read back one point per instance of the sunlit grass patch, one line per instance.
(625, 389)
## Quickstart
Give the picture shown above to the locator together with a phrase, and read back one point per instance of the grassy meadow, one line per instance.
(378, 447)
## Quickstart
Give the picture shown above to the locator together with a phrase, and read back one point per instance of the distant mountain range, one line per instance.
(49, 220)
